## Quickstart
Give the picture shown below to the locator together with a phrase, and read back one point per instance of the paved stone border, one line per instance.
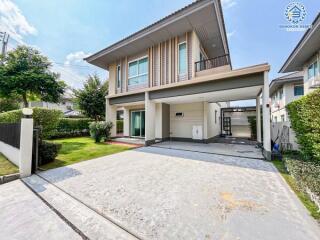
(9, 178)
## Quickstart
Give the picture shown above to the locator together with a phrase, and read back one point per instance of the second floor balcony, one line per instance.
(212, 65)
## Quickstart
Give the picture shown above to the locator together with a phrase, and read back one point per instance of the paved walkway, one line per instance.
(160, 193)
(24, 216)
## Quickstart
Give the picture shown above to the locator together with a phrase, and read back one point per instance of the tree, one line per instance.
(91, 99)
(25, 72)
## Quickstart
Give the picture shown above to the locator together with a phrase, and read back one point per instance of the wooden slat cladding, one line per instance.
(163, 64)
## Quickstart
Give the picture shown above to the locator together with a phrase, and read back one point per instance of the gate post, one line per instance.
(26, 140)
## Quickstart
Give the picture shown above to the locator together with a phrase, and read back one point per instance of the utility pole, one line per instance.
(4, 38)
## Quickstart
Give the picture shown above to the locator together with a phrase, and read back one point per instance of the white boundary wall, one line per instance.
(11, 153)
(21, 157)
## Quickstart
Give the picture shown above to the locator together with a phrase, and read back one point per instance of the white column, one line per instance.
(26, 140)
(126, 122)
(266, 118)
(150, 111)
(111, 116)
(258, 119)
(205, 120)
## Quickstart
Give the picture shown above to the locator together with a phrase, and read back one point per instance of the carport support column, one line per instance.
(266, 118)
(258, 118)
(150, 111)
(126, 122)
(111, 116)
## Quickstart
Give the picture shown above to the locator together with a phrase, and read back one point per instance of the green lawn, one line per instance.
(304, 198)
(6, 167)
(79, 149)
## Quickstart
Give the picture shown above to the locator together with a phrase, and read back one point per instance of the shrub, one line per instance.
(100, 130)
(48, 151)
(119, 126)
(72, 127)
(47, 119)
(304, 116)
(306, 174)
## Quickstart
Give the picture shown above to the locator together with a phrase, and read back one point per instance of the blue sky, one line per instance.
(68, 30)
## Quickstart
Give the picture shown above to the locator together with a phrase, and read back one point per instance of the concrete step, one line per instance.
(83, 219)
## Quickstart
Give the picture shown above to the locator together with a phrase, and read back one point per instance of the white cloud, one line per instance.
(74, 71)
(14, 22)
(228, 3)
(230, 34)
(76, 57)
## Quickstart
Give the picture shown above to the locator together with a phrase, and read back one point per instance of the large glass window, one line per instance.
(182, 58)
(118, 76)
(138, 72)
(298, 90)
(313, 70)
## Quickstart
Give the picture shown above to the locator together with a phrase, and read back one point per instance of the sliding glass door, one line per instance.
(138, 123)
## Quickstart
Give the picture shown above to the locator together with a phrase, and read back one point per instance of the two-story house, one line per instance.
(306, 57)
(284, 90)
(172, 78)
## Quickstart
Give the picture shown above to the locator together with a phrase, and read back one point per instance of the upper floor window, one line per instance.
(298, 90)
(182, 58)
(118, 76)
(313, 70)
(138, 71)
(282, 118)
(281, 93)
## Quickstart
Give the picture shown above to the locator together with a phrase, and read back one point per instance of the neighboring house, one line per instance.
(66, 105)
(173, 77)
(284, 90)
(306, 57)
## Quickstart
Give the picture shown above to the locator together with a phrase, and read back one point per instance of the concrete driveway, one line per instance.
(159, 193)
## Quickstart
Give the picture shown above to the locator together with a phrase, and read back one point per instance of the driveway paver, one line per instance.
(161, 193)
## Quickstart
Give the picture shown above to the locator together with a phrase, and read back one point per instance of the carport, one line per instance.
(173, 112)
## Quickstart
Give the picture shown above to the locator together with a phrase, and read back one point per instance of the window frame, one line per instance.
(118, 76)
(186, 58)
(294, 90)
(315, 69)
(138, 75)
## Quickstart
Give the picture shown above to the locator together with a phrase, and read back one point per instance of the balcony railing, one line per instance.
(212, 63)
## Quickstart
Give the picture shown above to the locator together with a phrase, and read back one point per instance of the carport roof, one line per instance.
(205, 17)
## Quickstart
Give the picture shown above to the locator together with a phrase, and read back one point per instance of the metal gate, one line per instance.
(35, 149)
(227, 125)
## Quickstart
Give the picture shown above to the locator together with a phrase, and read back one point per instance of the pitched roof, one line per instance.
(158, 26)
(296, 77)
(305, 49)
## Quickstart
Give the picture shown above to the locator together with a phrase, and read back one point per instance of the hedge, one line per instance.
(306, 174)
(48, 151)
(304, 116)
(48, 119)
(72, 127)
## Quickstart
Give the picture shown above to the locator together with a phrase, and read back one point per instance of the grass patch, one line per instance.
(304, 198)
(79, 149)
(6, 167)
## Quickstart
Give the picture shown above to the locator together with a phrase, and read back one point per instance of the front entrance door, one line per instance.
(138, 123)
